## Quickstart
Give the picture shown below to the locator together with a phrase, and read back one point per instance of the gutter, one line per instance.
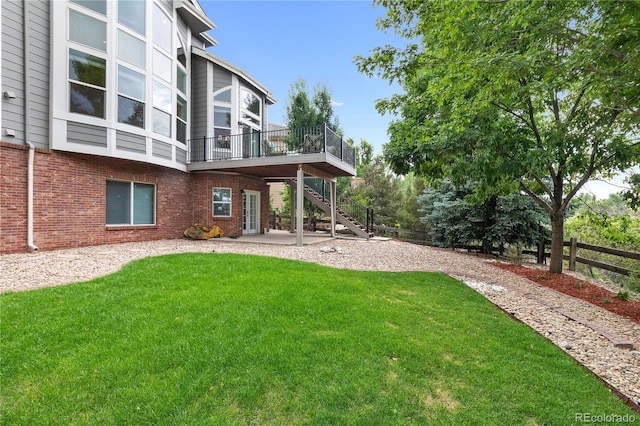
(27, 122)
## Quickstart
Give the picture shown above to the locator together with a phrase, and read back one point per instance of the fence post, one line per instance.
(541, 256)
(573, 249)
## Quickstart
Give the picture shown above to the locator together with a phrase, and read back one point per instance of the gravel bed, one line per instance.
(619, 367)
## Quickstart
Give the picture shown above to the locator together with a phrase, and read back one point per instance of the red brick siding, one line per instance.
(13, 198)
(203, 185)
(70, 205)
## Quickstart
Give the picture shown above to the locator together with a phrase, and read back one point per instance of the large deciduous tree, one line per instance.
(537, 96)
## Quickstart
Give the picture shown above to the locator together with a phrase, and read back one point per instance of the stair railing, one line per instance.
(358, 211)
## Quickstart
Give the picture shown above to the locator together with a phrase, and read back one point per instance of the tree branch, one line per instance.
(556, 108)
(535, 197)
(574, 108)
(534, 127)
(509, 111)
(618, 54)
(585, 178)
(544, 187)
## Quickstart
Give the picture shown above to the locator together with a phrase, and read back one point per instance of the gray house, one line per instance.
(117, 124)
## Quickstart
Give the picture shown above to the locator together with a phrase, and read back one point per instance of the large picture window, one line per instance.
(222, 202)
(127, 69)
(251, 109)
(222, 119)
(130, 203)
(162, 29)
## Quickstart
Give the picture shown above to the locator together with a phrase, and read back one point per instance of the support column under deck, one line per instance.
(300, 206)
(332, 199)
(292, 207)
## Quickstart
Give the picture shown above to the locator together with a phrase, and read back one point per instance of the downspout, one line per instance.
(30, 244)
(27, 122)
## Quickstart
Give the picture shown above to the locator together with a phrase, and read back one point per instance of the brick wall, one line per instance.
(70, 200)
(203, 185)
(13, 198)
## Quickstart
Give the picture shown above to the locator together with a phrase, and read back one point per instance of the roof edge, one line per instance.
(234, 69)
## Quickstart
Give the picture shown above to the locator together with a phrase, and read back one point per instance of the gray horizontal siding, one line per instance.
(39, 68)
(13, 67)
(199, 97)
(184, 32)
(85, 134)
(13, 72)
(221, 78)
(130, 142)
(161, 149)
(181, 156)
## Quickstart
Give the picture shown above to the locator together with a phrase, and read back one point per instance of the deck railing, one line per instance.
(305, 140)
(353, 208)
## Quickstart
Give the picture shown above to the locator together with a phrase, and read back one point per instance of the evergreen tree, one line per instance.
(453, 221)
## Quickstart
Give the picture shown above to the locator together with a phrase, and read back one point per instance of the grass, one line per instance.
(215, 339)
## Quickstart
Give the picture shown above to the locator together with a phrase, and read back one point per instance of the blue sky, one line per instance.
(278, 42)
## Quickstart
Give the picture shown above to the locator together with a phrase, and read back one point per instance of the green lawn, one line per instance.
(237, 339)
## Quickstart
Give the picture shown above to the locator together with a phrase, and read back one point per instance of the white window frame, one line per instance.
(214, 202)
(132, 203)
(224, 104)
(248, 121)
(60, 94)
(100, 55)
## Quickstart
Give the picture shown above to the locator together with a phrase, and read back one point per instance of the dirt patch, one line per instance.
(578, 288)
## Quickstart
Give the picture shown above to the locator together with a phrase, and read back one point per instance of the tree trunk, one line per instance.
(557, 239)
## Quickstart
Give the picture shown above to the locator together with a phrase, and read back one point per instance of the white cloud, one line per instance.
(336, 103)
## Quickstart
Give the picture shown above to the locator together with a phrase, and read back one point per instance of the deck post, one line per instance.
(300, 206)
(332, 200)
(292, 208)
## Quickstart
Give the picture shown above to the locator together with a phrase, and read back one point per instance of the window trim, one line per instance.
(214, 202)
(224, 142)
(107, 115)
(251, 117)
(132, 204)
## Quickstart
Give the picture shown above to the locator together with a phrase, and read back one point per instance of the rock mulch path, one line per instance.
(588, 333)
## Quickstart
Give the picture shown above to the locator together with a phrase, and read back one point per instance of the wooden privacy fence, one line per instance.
(573, 257)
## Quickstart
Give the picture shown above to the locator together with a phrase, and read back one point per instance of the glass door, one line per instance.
(250, 142)
(251, 212)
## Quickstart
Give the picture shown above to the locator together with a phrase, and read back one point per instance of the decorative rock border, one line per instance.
(607, 333)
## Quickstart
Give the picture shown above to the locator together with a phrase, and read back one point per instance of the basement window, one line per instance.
(130, 203)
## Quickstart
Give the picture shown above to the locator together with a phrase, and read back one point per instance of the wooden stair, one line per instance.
(342, 216)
